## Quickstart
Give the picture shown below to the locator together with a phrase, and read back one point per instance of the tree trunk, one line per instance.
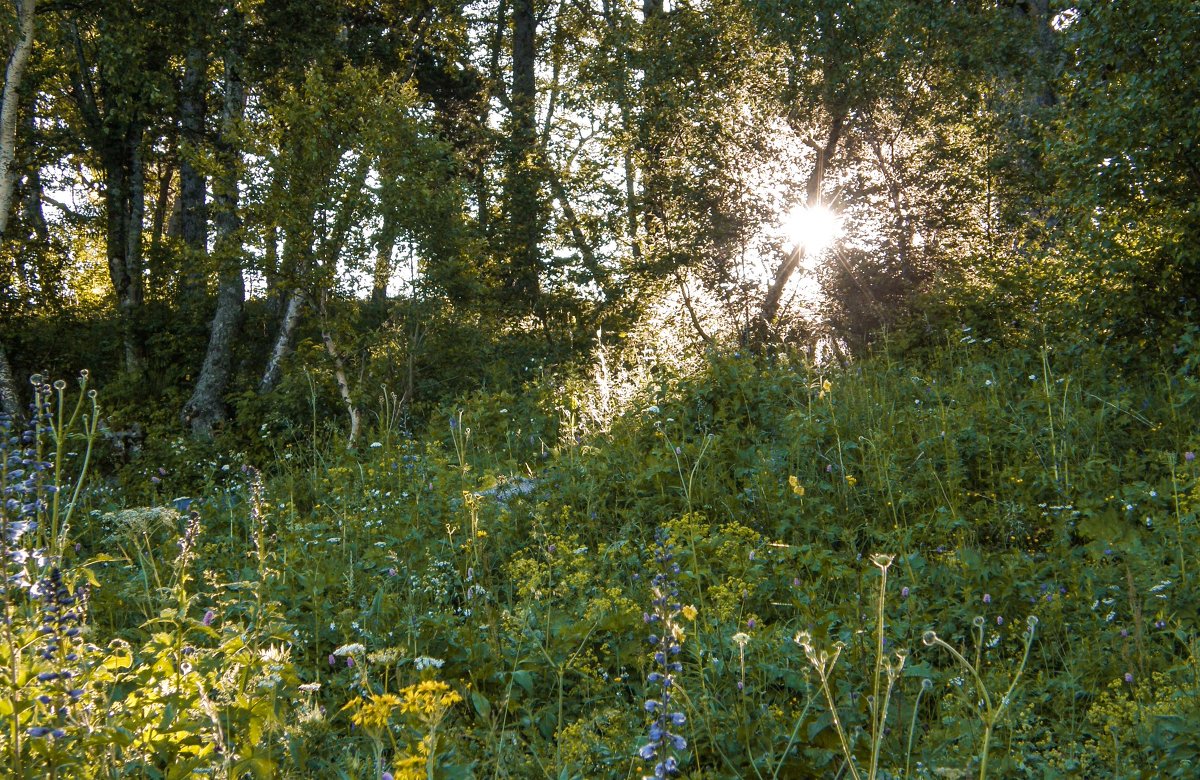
(206, 408)
(283, 341)
(343, 382)
(193, 217)
(383, 263)
(523, 180)
(34, 194)
(124, 201)
(162, 203)
(118, 144)
(13, 74)
(10, 399)
(649, 202)
(761, 327)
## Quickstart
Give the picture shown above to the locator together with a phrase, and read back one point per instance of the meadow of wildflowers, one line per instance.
(976, 565)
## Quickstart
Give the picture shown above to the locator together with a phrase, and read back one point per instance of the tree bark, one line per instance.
(523, 180)
(206, 408)
(35, 193)
(385, 245)
(10, 400)
(13, 74)
(343, 382)
(761, 328)
(124, 199)
(118, 143)
(193, 222)
(283, 342)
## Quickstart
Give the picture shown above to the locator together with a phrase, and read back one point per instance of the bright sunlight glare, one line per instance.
(816, 228)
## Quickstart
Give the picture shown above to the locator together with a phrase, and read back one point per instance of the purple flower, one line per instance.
(987, 598)
(1129, 677)
(208, 618)
(999, 620)
(751, 623)
(387, 776)
(349, 661)
(332, 659)
(1189, 456)
(904, 592)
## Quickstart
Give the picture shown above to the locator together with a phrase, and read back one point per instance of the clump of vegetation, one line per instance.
(521, 389)
(749, 573)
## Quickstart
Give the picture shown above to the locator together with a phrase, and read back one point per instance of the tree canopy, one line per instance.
(440, 195)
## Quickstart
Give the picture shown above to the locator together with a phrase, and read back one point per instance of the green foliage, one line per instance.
(503, 560)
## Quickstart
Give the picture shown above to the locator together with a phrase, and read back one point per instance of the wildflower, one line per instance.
(423, 662)
(429, 700)
(851, 480)
(826, 388)
(372, 714)
(351, 649)
(1129, 677)
(904, 592)
(1189, 456)
(882, 560)
(741, 639)
(209, 616)
(663, 743)
(987, 598)
(797, 488)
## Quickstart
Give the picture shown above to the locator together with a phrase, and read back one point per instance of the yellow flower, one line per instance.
(689, 612)
(797, 488)
(826, 388)
(428, 700)
(372, 714)
(412, 765)
(851, 480)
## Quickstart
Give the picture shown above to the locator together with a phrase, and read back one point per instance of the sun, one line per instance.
(815, 228)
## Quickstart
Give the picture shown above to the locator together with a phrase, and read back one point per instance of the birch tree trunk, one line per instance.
(283, 341)
(343, 382)
(10, 402)
(13, 74)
